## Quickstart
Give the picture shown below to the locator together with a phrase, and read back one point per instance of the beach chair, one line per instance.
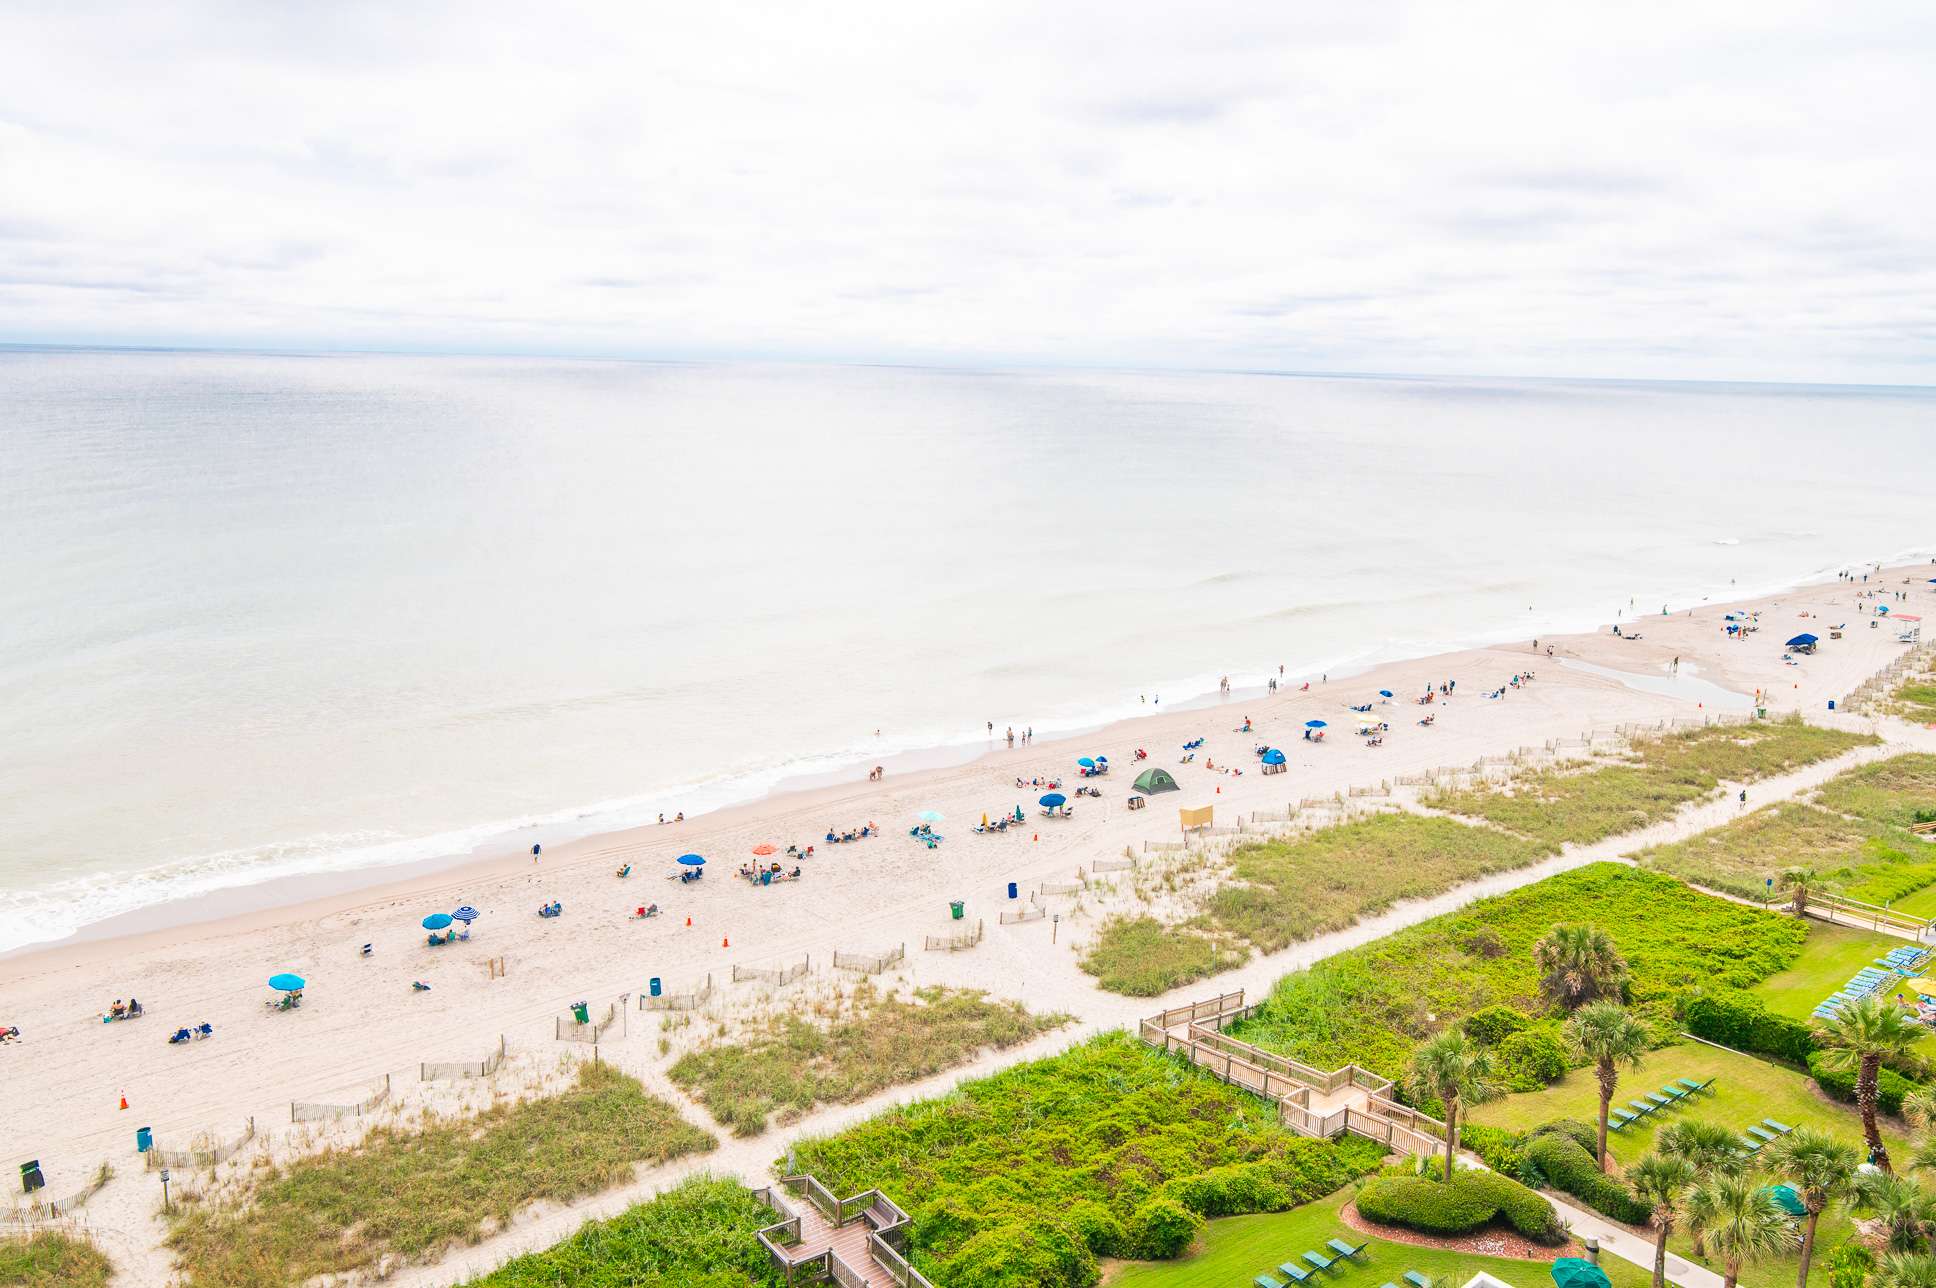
(1319, 1260)
(1657, 1100)
(1780, 1129)
(1641, 1108)
(1617, 1119)
(1292, 1271)
(1674, 1093)
(1696, 1088)
(1761, 1134)
(1344, 1249)
(1265, 1281)
(1417, 1280)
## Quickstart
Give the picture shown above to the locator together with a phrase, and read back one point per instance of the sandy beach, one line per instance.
(361, 1020)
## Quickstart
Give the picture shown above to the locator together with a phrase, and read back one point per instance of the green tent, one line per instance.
(1787, 1200)
(1156, 780)
(1572, 1272)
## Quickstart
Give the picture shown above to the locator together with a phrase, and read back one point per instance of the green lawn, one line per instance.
(1831, 955)
(1746, 1090)
(1236, 1249)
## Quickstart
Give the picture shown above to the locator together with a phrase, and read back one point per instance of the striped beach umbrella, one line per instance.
(465, 914)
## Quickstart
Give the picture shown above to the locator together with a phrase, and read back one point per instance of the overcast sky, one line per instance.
(1700, 190)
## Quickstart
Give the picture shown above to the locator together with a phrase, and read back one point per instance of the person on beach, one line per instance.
(1011, 737)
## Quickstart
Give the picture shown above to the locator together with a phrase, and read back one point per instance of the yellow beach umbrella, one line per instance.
(1922, 987)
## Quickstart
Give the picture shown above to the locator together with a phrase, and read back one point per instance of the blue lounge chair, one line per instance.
(1292, 1271)
(1618, 1118)
(1780, 1129)
(1344, 1249)
(1641, 1108)
(1265, 1281)
(1417, 1280)
(1698, 1087)
(1761, 1134)
(1657, 1100)
(1673, 1093)
(1319, 1260)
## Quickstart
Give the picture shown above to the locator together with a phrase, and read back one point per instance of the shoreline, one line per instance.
(292, 890)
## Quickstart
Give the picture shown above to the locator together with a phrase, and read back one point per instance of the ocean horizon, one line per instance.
(274, 614)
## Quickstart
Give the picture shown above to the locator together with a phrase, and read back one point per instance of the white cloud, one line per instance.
(1732, 190)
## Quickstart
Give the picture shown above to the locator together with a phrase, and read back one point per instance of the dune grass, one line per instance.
(1286, 891)
(1374, 1003)
(1851, 831)
(1142, 957)
(1586, 803)
(410, 1193)
(1235, 1249)
(52, 1259)
(699, 1234)
(850, 1049)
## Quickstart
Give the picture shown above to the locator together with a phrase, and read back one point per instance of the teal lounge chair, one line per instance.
(1698, 1087)
(1761, 1134)
(1657, 1100)
(1265, 1281)
(1780, 1129)
(1641, 1108)
(1618, 1118)
(1344, 1249)
(1319, 1260)
(1292, 1271)
(1417, 1280)
(1673, 1092)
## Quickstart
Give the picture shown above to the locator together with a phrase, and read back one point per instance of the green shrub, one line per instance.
(1500, 1150)
(52, 1259)
(1491, 1025)
(1849, 1266)
(1162, 1228)
(1470, 1201)
(1022, 1254)
(699, 1234)
(1568, 1166)
(1839, 1084)
(1741, 1020)
(1532, 1059)
(1098, 1227)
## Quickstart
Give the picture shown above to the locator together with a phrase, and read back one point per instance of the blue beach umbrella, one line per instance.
(1802, 639)
(465, 914)
(692, 860)
(1315, 724)
(1053, 800)
(929, 816)
(1086, 762)
(1384, 693)
(1273, 757)
(436, 921)
(286, 982)
(1576, 1272)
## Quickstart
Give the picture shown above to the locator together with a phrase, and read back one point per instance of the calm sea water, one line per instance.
(269, 614)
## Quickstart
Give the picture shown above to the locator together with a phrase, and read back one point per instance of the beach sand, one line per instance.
(361, 1020)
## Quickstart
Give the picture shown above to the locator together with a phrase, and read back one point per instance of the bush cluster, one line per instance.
(1491, 1025)
(1567, 1164)
(1532, 1059)
(1839, 1084)
(1741, 1020)
(699, 1234)
(1109, 1149)
(1470, 1201)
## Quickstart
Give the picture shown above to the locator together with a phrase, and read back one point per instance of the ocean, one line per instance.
(266, 615)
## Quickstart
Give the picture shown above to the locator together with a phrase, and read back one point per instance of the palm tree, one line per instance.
(1605, 1034)
(1735, 1217)
(1800, 883)
(1860, 1037)
(1661, 1180)
(1904, 1207)
(1709, 1146)
(1905, 1270)
(1579, 964)
(1822, 1169)
(1456, 1071)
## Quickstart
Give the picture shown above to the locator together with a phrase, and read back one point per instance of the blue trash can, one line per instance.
(653, 986)
(144, 1140)
(1831, 704)
(1011, 889)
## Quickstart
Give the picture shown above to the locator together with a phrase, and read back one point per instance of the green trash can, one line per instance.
(582, 1012)
(955, 907)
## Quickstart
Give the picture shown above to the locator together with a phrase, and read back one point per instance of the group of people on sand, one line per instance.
(128, 1010)
(860, 833)
(1048, 784)
(680, 817)
(767, 874)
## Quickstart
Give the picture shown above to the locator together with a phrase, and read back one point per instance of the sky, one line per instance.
(1704, 191)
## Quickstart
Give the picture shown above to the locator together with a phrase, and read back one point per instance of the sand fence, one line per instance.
(309, 1112)
(591, 1030)
(870, 963)
(215, 1152)
(690, 999)
(955, 943)
(463, 1069)
(773, 974)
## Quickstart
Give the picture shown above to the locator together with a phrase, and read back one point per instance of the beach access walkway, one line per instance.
(855, 1242)
(1311, 1102)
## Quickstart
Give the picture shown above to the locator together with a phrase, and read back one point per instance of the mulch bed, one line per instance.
(1489, 1243)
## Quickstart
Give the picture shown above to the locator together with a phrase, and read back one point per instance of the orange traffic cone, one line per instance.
(724, 942)
(124, 1100)
(688, 921)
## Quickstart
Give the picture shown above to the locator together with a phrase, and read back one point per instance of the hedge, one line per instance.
(1839, 1084)
(1491, 1025)
(1568, 1166)
(1470, 1201)
(1532, 1059)
(1499, 1149)
(1740, 1020)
